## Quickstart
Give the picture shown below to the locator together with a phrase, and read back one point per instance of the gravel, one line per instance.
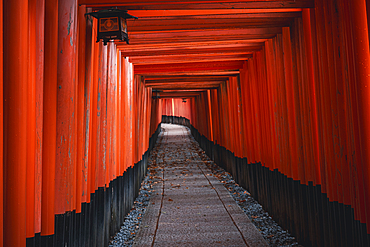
(270, 230)
(126, 235)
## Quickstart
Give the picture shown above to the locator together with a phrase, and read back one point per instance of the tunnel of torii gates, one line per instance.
(277, 92)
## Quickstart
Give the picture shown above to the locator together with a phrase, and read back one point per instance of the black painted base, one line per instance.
(102, 217)
(302, 209)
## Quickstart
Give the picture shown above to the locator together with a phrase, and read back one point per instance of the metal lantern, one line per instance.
(112, 24)
(155, 94)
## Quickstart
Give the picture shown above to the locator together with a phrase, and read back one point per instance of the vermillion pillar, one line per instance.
(49, 118)
(81, 131)
(31, 121)
(66, 108)
(15, 120)
(40, 27)
(1, 125)
(362, 62)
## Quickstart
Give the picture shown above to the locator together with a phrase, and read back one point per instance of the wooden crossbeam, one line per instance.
(200, 4)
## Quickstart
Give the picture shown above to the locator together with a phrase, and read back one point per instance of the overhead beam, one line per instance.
(168, 15)
(184, 86)
(189, 45)
(202, 12)
(185, 90)
(180, 94)
(252, 30)
(202, 50)
(201, 4)
(185, 83)
(187, 73)
(189, 58)
(184, 78)
(211, 22)
(189, 67)
(203, 36)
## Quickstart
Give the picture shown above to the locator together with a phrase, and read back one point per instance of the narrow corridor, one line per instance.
(276, 93)
(189, 206)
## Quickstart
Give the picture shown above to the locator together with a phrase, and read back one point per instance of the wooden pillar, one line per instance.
(362, 63)
(15, 120)
(248, 122)
(81, 92)
(271, 89)
(40, 51)
(93, 155)
(243, 95)
(307, 29)
(88, 94)
(49, 118)
(210, 107)
(66, 108)
(215, 116)
(290, 102)
(111, 111)
(101, 117)
(123, 117)
(108, 113)
(119, 121)
(127, 102)
(1, 129)
(31, 120)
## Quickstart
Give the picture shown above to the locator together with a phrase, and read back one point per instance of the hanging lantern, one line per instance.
(112, 24)
(155, 94)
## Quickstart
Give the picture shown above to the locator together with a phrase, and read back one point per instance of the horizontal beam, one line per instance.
(201, 50)
(169, 15)
(200, 4)
(203, 36)
(189, 45)
(185, 83)
(189, 67)
(180, 94)
(182, 87)
(203, 12)
(189, 58)
(186, 78)
(221, 32)
(190, 73)
(211, 22)
(229, 25)
(185, 90)
(181, 90)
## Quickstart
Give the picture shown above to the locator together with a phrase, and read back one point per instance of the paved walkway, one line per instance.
(189, 206)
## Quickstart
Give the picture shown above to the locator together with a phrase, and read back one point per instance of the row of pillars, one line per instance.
(75, 116)
(301, 105)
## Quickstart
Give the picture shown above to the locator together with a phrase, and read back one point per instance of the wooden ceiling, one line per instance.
(186, 47)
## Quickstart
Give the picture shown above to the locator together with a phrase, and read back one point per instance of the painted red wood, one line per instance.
(15, 121)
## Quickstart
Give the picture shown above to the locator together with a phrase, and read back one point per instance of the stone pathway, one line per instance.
(188, 205)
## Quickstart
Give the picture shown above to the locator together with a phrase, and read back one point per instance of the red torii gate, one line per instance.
(283, 84)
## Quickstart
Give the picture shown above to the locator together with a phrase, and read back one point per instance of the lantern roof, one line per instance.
(111, 13)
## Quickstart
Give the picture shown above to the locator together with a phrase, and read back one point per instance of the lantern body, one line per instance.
(155, 94)
(112, 24)
(112, 28)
